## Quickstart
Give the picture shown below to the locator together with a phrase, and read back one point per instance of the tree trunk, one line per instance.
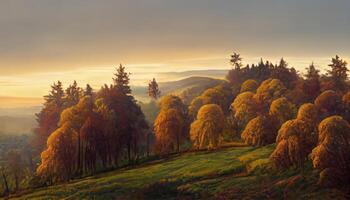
(147, 145)
(79, 156)
(178, 143)
(7, 190)
(16, 183)
(129, 152)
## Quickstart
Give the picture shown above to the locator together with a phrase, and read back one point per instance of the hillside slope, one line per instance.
(231, 173)
(187, 88)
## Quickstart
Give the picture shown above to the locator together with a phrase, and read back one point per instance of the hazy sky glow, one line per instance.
(45, 40)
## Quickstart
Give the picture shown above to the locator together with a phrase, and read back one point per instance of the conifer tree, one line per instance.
(73, 93)
(56, 95)
(338, 73)
(49, 116)
(88, 90)
(153, 89)
(121, 80)
(312, 85)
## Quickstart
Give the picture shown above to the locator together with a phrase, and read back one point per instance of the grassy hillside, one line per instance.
(231, 173)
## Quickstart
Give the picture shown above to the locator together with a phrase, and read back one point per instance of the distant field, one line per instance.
(231, 173)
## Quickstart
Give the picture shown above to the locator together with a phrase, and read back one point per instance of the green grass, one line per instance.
(231, 173)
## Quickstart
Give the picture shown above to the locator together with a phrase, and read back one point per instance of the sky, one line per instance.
(42, 41)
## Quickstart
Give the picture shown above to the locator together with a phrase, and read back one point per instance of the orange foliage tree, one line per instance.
(331, 156)
(170, 125)
(296, 138)
(207, 129)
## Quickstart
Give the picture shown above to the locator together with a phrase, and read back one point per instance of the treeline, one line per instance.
(306, 115)
(87, 131)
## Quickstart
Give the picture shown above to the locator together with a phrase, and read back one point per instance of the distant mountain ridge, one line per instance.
(188, 86)
(212, 73)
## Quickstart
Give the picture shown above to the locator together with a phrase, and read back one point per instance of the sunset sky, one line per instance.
(42, 41)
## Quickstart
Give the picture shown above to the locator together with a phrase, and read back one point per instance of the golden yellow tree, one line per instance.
(296, 138)
(168, 128)
(249, 85)
(268, 91)
(329, 103)
(331, 156)
(207, 129)
(214, 95)
(259, 131)
(282, 110)
(244, 108)
(58, 161)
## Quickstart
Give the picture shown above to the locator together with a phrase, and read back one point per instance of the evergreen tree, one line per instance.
(236, 61)
(49, 116)
(121, 80)
(234, 76)
(56, 95)
(338, 73)
(73, 93)
(153, 89)
(88, 90)
(312, 84)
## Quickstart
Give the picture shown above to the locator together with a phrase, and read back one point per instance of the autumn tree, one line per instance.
(259, 131)
(170, 124)
(49, 115)
(329, 103)
(282, 110)
(296, 138)
(168, 131)
(268, 91)
(217, 95)
(249, 85)
(153, 89)
(207, 129)
(244, 108)
(295, 141)
(58, 161)
(331, 156)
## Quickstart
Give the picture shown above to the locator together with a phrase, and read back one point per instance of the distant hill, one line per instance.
(186, 88)
(212, 73)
